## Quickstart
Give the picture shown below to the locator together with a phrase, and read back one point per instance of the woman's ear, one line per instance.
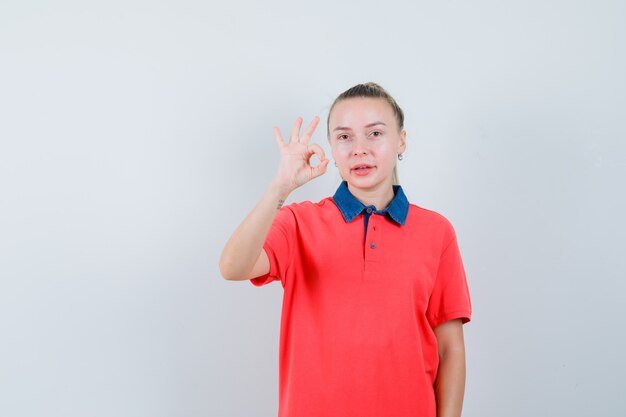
(402, 144)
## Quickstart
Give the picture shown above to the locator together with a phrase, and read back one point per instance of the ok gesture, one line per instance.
(295, 167)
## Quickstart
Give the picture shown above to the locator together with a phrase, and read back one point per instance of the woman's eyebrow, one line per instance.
(369, 125)
(340, 128)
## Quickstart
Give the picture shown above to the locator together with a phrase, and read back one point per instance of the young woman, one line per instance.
(375, 293)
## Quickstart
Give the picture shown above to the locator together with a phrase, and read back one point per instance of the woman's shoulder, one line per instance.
(427, 212)
(422, 215)
(307, 206)
(307, 212)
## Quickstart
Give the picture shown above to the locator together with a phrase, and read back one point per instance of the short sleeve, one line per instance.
(278, 247)
(450, 298)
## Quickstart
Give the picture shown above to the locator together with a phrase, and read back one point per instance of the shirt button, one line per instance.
(373, 245)
(369, 210)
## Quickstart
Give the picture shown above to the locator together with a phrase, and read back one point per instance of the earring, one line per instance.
(336, 163)
(400, 157)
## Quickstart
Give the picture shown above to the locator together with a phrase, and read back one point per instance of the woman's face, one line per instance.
(365, 142)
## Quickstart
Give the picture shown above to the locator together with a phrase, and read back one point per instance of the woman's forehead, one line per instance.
(361, 112)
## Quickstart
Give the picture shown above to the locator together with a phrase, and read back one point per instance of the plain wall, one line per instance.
(136, 135)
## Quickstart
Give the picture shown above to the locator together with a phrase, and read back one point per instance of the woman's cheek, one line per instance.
(344, 146)
(341, 151)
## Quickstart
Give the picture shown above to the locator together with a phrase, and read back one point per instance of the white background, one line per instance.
(135, 136)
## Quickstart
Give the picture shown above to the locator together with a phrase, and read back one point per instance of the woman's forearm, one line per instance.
(243, 248)
(450, 383)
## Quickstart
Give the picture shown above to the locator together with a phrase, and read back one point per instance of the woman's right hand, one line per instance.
(295, 167)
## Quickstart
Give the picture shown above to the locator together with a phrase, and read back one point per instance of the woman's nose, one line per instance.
(359, 147)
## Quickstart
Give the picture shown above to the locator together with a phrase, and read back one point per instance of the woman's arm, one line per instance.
(450, 382)
(243, 256)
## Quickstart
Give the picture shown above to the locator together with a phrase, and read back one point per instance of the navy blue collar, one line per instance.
(350, 207)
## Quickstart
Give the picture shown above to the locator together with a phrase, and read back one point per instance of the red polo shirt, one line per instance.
(363, 290)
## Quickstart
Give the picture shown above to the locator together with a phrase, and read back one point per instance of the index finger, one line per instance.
(316, 149)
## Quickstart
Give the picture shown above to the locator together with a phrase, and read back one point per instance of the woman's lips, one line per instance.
(361, 172)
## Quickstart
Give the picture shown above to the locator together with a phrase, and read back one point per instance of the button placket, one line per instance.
(372, 251)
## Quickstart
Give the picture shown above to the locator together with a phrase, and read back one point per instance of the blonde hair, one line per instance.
(370, 90)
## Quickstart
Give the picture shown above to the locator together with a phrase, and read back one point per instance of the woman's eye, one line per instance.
(376, 133)
(342, 137)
